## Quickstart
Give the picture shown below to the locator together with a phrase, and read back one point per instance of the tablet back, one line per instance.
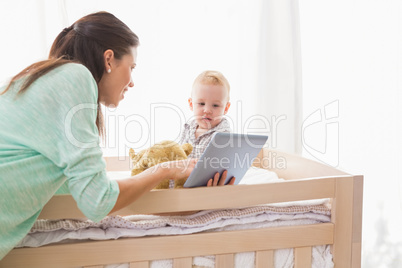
(226, 151)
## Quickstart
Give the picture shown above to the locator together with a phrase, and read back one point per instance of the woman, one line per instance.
(51, 122)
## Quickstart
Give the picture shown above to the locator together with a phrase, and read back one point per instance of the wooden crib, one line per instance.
(305, 180)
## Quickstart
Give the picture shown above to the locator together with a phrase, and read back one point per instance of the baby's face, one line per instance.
(209, 103)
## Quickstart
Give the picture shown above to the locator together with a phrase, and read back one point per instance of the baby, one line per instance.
(209, 101)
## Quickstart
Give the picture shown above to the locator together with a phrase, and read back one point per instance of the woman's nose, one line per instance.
(131, 84)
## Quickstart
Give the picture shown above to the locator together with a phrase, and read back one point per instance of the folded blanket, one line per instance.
(196, 221)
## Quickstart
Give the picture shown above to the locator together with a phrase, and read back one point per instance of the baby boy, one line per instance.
(209, 101)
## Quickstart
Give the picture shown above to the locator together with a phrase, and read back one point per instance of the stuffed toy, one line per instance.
(160, 152)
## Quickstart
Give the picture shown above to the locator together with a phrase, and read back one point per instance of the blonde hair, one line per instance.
(210, 77)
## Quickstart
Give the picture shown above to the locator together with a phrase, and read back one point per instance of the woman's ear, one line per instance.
(108, 57)
(190, 103)
(226, 108)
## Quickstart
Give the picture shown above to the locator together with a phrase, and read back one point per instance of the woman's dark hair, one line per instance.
(84, 42)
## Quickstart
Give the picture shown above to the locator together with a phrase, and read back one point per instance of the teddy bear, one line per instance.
(158, 153)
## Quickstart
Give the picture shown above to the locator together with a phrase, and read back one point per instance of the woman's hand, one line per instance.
(218, 180)
(179, 169)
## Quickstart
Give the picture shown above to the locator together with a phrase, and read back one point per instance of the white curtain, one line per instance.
(278, 95)
(352, 104)
(255, 44)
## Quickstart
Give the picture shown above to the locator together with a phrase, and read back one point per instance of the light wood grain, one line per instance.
(154, 248)
(182, 262)
(122, 163)
(264, 259)
(224, 261)
(142, 264)
(342, 217)
(290, 166)
(302, 257)
(357, 221)
(163, 201)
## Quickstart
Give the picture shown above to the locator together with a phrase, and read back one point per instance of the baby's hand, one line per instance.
(219, 181)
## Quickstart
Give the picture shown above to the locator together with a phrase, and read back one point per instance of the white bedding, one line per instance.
(113, 227)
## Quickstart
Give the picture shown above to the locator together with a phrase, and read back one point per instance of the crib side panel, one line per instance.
(357, 221)
(263, 259)
(202, 198)
(290, 166)
(155, 248)
(347, 217)
(118, 163)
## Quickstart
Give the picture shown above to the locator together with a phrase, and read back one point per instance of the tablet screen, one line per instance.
(226, 151)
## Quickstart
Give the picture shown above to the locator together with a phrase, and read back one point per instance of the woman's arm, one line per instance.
(132, 188)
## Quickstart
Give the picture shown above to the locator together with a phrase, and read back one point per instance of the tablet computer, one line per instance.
(226, 151)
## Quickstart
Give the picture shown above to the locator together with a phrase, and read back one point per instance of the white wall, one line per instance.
(352, 65)
(179, 39)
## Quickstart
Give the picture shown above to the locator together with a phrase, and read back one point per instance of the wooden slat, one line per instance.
(163, 201)
(264, 259)
(153, 248)
(122, 163)
(356, 255)
(291, 166)
(357, 221)
(302, 257)
(224, 261)
(182, 263)
(342, 217)
(142, 264)
(96, 266)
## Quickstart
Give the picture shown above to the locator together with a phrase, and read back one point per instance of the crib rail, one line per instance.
(180, 200)
(181, 248)
(344, 231)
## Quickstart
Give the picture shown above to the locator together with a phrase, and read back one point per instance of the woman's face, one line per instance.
(115, 83)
